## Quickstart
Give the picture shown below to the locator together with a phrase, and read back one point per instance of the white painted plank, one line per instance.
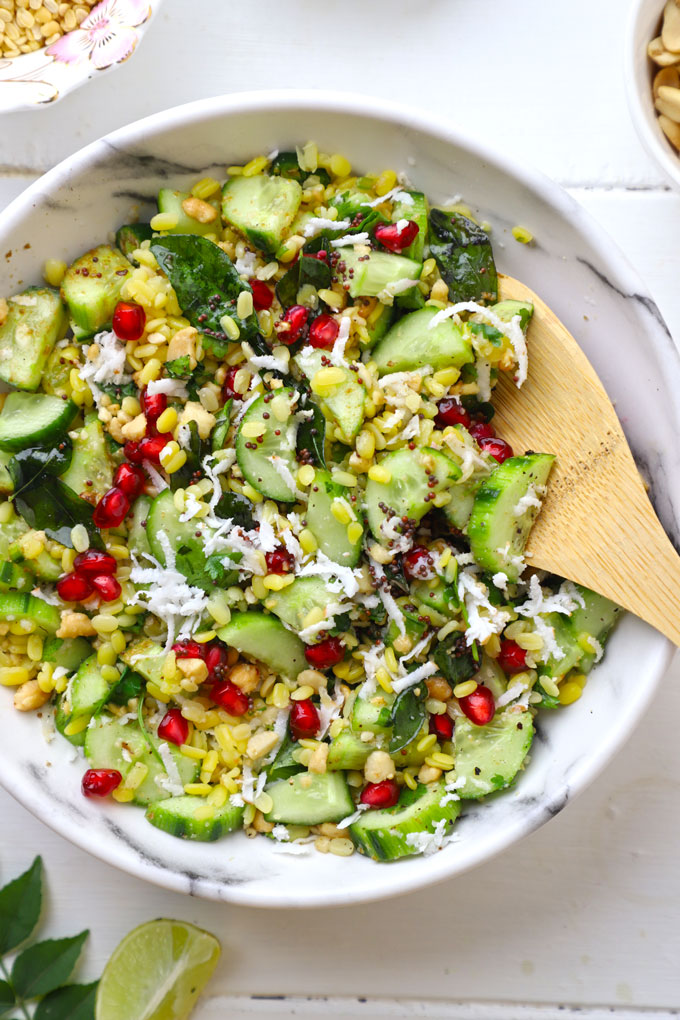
(544, 81)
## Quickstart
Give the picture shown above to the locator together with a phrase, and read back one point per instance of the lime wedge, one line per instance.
(157, 972)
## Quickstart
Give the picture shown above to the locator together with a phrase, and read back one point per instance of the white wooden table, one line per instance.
(584, 912)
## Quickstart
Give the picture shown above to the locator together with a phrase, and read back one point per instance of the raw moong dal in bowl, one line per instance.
(575, 269)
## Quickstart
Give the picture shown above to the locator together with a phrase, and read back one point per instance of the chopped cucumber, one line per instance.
(408, 494)
(257, 464)
(6, 480)
(310, 798)
(12, 576)
(348, 751)
(146, 658)
(130, 236)
(89, 691)
(262, 208)
(369, 275)
(416, 210)
(110, 745)
(91, 287)
(457, 511)
(177, 816)
(437, 595)
(294, 603)
(190, 559)
(9, 535)
(379, 321)
(62, 718)
(33, 419)
(390, 833)
(330, 534)
(372, 715)
(489, 757)
(35, 321)
(66, 652)
(412, 343)
(15, 605)
(345, 405)
(42, 566)
(90, 472)
(507, 310)
(285, 763)
(56, 374)
(170, 201)
(497, 532)
(266, 639)
(595, 619)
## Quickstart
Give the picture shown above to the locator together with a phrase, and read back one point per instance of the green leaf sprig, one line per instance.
(36, 978)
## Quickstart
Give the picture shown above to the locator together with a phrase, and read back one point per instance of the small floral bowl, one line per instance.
(105, 38)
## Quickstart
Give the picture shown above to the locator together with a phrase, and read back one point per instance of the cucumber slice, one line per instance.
(90, 472)
(32, 419)
(12, 576)
(266, 639)
(66, 652)
(62, 717)
(56, 373)
(309, 798)
(9, 534)
(595, 619)
(416, 210)
(146, 658)
(437, 595)
(331, 535)
(92, 285)
(138, 543)
(497, 534)
(411, 343)
(262, 208)
(369, 275)
(345, 406)
(16, 605)
(256, 464)
(190, 559)
(170, 201)
(507, 310)
(408, 494)
(105, 743)
(89, 691)
(285, 764)
(348, 751)
(6, 480)
(35, 321)
(42, 566)
(130, 236)
(177, 816)
(457, 511)
(374, 715)
(384, 834)
(292, 604)
(378, 323)
(489, 757)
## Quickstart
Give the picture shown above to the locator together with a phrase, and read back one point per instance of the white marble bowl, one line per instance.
(644, 23)
(579, 273)
(103, 41)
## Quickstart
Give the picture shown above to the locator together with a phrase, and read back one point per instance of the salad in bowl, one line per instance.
(261, 547)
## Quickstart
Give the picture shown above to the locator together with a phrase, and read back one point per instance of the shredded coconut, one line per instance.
(395, 195)
(512, 330)
(281, 834)
(532, 498)
(483, 618)
(173, 781)
(429, 842)
(512, 692)
(337, 355)
(170, 387)
(413, 678)
(108, 366)
(391, 608)
(347, 239)
(354, 817)
(168, 595)
(316, 224)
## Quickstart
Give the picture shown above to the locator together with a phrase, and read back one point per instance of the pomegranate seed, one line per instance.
(296, 318)
(321, 255)
(326, 654)
(381, 795)
(173, 727)
(511, 657)
(498, 448)
(280, 561)
(107, 587)
(130, 479)
(323, 332)
(111, 509)
(479, 706)
(228, 696)
(442, 726)
(128, 321)
(74, 588)
(482, 430)
(262, 295)
(452, 412)
(132, 451)
(304, 720)
(153, 405)
(396, 238)
(94, 562)
(216, 659)
(189, 650)
(228, 391)
(418, 564)
(150, 447)
(100, 782)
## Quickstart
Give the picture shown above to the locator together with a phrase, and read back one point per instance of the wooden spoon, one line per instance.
(597, 526)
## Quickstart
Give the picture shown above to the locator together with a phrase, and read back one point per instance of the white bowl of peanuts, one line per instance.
(50, 47)
(653, 81)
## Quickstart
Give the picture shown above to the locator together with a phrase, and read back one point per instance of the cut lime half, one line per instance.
(157, 972)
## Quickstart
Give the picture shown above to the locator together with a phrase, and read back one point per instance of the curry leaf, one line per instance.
(306, 271)
(192, 468)
(207, 286)
(130, 685)
(28, 467)
(311, 434)
(455, 660)
(462, 251)
(72, 1002)
(46, 965)
(233, 506)
(20, 903)
(54, 508)
(408, 716)
(7, 999)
